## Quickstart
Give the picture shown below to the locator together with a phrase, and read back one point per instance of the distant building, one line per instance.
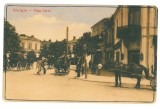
(45, 43)
(29, 43)
(71, 45)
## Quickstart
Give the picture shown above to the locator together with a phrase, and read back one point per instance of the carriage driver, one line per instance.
(41, 65)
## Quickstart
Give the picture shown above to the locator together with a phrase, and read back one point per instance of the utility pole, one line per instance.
(67, 31)
(148, 26)
(85, 60)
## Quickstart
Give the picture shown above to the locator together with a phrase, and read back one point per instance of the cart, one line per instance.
(62, 66)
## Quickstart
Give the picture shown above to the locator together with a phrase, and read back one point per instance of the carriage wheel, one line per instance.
(153, 83)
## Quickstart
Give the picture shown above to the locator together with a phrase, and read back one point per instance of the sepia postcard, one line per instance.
(80, 53)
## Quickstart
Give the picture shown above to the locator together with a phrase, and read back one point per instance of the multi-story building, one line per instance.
(109, 40)
(135, 34)
(99, 33)
(29, 43)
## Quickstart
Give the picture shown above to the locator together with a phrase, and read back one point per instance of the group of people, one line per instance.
(96, 67)
(43, 64)
(81, 66)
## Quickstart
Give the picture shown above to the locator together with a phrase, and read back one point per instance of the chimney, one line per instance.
(74, 37)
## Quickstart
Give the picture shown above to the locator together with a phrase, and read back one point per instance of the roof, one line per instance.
(72, 41)
(25, 37)
(101, 21)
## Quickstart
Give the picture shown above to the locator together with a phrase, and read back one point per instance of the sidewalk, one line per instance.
(108, 78)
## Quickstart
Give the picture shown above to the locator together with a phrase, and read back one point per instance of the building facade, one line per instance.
(109, 41)
(71, 45)
(30, 43)
(99, 34)
(135, 35)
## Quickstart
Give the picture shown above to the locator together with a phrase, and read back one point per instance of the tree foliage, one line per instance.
(91, 42)
(55, 49)
(58, 48)
(44, 51)
(11, 39)
(31, 56)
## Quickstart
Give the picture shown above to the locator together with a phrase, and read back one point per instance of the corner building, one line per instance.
(135, 35)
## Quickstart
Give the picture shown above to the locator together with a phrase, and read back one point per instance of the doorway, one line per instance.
(133, 56)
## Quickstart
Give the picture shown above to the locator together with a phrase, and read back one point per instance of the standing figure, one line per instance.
(78, 66)
(38, 66)
(117, 72)
(99, 68)
(43, 64)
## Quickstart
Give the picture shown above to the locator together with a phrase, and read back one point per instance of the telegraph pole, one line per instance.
(67, 31)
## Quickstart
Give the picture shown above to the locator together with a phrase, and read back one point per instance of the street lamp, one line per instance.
(85, 60)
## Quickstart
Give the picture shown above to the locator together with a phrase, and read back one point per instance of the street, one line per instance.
(27, 85)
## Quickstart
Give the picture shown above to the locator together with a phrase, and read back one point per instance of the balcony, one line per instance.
(129, 34)
(129, 31)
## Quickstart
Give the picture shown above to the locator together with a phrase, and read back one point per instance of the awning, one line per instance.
(117, 45)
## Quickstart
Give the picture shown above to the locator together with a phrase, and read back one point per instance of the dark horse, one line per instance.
(130, 70)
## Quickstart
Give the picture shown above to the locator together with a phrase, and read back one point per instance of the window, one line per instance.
(30, 46)
(35, 46)
(117, 56)
(134, 15)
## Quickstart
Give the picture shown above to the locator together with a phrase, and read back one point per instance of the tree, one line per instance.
(58, 48)
(31, 56)
(11, 39)
(85, 39)
(44, 51)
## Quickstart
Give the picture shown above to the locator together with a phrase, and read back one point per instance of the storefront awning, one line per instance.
(117, 45)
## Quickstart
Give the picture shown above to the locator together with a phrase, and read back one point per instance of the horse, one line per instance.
(131, 70)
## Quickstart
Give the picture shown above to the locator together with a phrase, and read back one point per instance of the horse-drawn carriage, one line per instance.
(62, 65)
(133, 70)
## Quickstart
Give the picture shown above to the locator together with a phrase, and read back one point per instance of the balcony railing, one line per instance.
(129, 31)
(129, 34)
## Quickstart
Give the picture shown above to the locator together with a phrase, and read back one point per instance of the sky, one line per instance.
(50, 22)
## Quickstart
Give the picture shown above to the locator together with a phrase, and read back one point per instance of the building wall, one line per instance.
(99, 30)
(149, 30)
(148, 23)
(33, 43)
(117, 23)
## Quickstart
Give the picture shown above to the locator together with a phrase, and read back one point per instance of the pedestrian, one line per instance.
(117, 71)
(41, 64)
(99, 68)
(78, 66)
(44, 64)
(38, 66)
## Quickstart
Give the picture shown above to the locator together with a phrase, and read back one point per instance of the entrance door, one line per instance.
(133, 56)
(117, 56)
